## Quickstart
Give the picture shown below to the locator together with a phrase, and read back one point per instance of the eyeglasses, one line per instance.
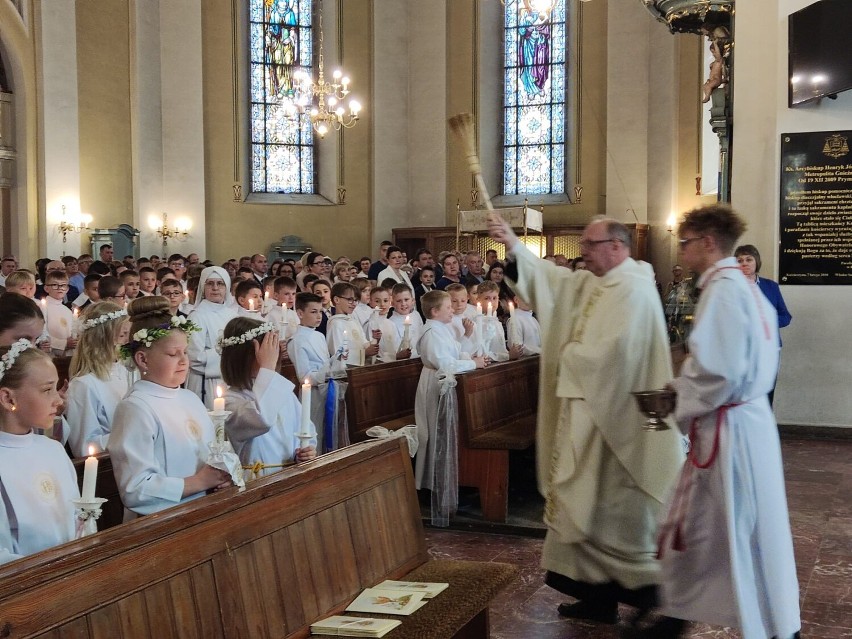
(173, 294)
(351, 300)
(57, 287)
(587, 244)
(684, 242)
(122, 296)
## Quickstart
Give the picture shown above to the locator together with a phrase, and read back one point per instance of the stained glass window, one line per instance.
(282, 148)
(534, 97)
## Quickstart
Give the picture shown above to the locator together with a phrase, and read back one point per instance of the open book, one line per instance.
(386, 602)
(428, 589)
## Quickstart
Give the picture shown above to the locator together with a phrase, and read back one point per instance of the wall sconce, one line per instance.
(179, 231)
(67, 225)
(671, 222)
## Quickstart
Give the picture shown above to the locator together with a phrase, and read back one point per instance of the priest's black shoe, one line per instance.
(601, 611)
(665, 628)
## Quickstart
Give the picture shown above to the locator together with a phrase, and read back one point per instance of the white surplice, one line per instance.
(264, 421)
(354, 338)
(59, 321)
(604, 479)
(159, 437)
(439, 351)
(736, 565)
(308, 351)
(89, 408)
(37, 484)
(415, 329)
(524, 329)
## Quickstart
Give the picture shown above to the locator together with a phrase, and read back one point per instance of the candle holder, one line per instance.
(88, 513)
(222, 455)
(304, 439)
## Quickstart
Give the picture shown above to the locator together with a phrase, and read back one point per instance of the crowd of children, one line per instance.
(152, 342)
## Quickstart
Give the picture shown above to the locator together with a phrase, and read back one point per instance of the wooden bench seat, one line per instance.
(497, 413)
(381, 395)
(292, 548)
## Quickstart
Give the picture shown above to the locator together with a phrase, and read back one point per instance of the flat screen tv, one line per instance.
(820, 55)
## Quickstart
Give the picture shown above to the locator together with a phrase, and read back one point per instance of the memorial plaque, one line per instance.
(816, 208)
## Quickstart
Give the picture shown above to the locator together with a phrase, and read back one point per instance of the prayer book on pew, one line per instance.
(339, 626)
(429, 589)
(386, 602)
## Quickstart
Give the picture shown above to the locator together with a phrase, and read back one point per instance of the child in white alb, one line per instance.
(37, 478)
(98, 379)
(248, 294)
(404, 316)
(363, 311)
(161, 433)
(58, 317)
(442, 359)
(464, 318)
(379, 324)
(265, 413)
(343, 331)
(308, 351)
(492, 336)
(523, 328)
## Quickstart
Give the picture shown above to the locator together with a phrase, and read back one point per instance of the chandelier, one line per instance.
(328, 112)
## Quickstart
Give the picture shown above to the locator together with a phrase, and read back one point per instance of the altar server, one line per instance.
(160, 432)
(265, 413)
(98, 379)
(343, 331)
(211, 312)
(726, 547)
(60, 320)
(523, 328)
(405, 314)
(37, 478)
(436, 418)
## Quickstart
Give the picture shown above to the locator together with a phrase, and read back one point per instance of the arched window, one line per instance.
(282, 148)
(534, 89)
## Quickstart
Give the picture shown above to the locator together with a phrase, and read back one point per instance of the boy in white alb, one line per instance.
(405, 315)
(436, 425)
(249, 299)
(464, 316)
(523, 329)
(491, 333)
(363, 311)
(380, 298)
(308, 351)
(59, 320)
(343, 330)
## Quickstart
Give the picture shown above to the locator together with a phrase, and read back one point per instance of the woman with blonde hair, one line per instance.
(98, 380)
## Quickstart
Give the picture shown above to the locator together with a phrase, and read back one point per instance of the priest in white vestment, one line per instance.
(726, 547)
(604, 479)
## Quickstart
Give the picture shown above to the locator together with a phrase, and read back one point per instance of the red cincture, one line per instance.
(680, 505)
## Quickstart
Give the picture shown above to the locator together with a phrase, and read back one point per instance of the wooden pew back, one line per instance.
(382, 394)
(266, 562)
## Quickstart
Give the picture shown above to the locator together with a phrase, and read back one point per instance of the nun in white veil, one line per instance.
(212, 311)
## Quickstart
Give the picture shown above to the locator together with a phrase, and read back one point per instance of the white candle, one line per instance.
(406, 332)
(251, 305)
(90, 476)
(479, 308)
(43, 305)
(514, 329)
(219, 402)
(75, 323)
(266, 296)
(306, 407)
(490, 310)
(186, 297)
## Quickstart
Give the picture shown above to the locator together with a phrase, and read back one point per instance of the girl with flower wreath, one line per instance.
(265, 412)
(98, 379)
(160, 432)
(37, 479)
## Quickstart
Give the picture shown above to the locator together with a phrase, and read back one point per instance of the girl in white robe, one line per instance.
(98, 380)
(212, 311)
(265, 412)
(161, 432)
(37, 479)
(440, 353)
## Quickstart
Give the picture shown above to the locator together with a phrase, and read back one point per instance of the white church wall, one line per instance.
(59, 125)
(816, 366)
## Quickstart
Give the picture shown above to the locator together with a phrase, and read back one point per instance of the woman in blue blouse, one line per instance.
(748, 257)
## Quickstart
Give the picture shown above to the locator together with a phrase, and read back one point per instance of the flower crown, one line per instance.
(8, 360)
(103, 319)
(147, 336)
(248, 336)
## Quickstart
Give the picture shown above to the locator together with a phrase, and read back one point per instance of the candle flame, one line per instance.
(91, 450)
(307, 381)
(218, 391)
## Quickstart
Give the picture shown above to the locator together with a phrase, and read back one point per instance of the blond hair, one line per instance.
(96, 352)
(432, 300)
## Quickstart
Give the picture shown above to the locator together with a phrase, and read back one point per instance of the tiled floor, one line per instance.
(819, 491)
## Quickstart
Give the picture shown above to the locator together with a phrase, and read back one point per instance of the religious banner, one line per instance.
(816, 208)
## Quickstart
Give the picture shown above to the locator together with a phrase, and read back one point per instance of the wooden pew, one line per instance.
(497, 413)
(294, 547)
(113, 510)
(381, 395)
